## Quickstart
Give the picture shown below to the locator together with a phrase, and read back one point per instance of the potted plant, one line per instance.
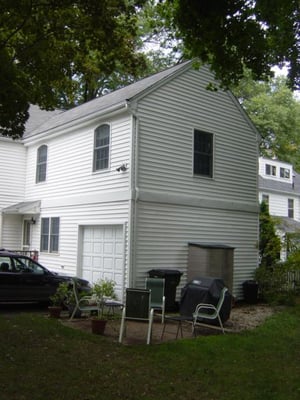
(102, 289)
(57, 300)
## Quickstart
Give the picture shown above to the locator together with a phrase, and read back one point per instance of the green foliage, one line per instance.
(269, 242)
(55, 52)
(61, 294)
(238, 33)
(273, 286)
(275, 112)
(105, 288)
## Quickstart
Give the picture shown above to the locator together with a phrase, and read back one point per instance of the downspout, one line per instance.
(132, 218)
(1, 228)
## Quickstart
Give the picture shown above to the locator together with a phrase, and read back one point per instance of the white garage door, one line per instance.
(102, 254)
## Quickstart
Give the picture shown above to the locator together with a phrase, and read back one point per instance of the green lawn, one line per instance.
(41, 359)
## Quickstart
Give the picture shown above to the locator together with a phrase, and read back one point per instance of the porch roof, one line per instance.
(288, 225)
(25, 207)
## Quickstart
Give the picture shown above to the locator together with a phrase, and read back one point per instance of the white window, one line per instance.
(41, 163)
(50, 234)
(284, 173)
(270, 170)
(101, 147)
(265, 198)
(203, 153)
(291, 208)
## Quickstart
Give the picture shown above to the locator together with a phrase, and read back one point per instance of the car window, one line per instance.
(27, 265)
(5, 264)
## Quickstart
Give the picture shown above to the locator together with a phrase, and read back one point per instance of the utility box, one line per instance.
(211, 260)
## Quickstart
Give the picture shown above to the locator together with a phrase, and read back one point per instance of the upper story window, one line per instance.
(270, 170)
(50, 234)
(101, 147)
(284, 173)
(291, 208)
(41, 163)
(265, 198)
(203, 153)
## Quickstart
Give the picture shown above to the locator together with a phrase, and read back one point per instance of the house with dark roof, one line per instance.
(126, 183)
(279, 186)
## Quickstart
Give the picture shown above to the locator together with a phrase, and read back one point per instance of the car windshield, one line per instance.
(23, 264)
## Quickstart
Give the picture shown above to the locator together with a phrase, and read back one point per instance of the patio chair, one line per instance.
(137, 308)
(85, 303)
(209, 312)
(158, 300)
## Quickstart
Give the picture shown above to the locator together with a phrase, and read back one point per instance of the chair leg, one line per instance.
(221, 324)
(122, 327)
(73, 313)
(150, 326)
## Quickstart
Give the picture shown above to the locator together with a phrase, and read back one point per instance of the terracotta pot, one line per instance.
(98, 326)
(54, 311)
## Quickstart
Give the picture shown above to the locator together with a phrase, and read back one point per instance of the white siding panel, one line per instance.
(12, 172)
(70, 163)
(164, 231)
(168, 118)
(72, 220)
(12, 232)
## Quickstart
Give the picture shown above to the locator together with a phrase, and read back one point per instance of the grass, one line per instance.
(40, 359)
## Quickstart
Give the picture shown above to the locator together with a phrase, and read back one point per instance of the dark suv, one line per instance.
(25, 280)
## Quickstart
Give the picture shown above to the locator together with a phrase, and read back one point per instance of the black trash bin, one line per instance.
(172, 279)
(250, 289)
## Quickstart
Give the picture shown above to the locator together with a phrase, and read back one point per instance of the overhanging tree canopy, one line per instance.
(231, 34)
(51, 49)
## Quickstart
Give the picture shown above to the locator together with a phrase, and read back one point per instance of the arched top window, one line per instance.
(101, 147)
(41, 163)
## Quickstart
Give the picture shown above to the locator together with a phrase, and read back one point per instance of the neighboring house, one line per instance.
(279, 186)
(122, 184)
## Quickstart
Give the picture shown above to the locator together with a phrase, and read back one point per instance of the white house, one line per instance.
(279, 186)
(122, 184)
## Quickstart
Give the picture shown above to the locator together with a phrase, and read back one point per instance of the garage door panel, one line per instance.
(103, 254)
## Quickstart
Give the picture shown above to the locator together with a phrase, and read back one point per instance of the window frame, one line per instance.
(50, 231)
(291, 208)
(197, 153)
(270, 170)
(101, 147)
(41, 165)
(285, 173)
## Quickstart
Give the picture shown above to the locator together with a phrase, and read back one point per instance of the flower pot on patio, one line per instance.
(98, 325)
(54, 311)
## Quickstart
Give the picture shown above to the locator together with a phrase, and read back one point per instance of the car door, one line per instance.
(36, 282)
(10, 281)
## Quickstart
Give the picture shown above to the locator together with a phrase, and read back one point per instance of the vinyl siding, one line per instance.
(278, 204)
(72, 217)
(70, 164)
(167, 119)
(176, 207)
(12, 172)
(164, 230)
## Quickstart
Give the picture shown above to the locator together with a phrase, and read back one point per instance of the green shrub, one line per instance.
(273, 288)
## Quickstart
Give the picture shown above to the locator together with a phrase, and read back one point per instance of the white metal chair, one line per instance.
(158, 300)
(85, 303)
(209, 312)
(137, 308)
